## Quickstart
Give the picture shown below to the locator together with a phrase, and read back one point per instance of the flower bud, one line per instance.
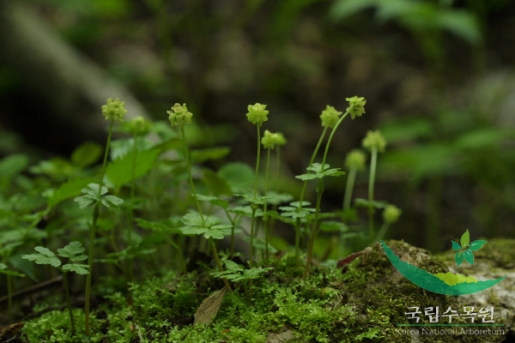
(391, 214)
(356, 106)
(139, 126)
(330, 117)
(355, 159)
(374, 140)
(114, 110)
(179, 115)
(270, 140)
(257, 114)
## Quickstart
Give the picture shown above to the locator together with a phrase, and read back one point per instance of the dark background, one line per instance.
(437, 75)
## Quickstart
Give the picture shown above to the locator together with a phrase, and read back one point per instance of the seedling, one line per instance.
(464, 252)
(74, 253)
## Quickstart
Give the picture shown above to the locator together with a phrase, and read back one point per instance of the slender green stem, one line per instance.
(252, 227)
(303, 192)
(265, 216)
(258, 159)
(254, 206)
(351, 178)
(371, 180)
(304, 184)
(131, 209)
(382, 232)
(190, 176)
(219, 263)
(320, 190)
(92, 232)
(68, 301)
(192, 185)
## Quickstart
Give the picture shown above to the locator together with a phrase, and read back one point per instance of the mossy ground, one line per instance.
(363, 303)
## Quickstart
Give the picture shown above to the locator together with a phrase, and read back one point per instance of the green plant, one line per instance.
(94, 195)
(73, 252)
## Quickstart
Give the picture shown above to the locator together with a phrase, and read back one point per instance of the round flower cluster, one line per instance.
(330, 117)
(356, 106)
(114, 110)
(257, 114)
(179, 115)
(355, 159)
(270, 140)
(374, 140)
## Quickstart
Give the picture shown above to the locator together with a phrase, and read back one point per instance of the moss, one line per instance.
(365, 303)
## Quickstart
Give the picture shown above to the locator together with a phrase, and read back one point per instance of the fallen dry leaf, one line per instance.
(209, 308)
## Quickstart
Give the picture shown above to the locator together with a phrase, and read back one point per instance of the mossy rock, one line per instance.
(364, 302)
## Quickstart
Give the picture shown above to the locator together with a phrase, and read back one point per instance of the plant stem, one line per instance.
(371, 180)
(92, 233)
(349, 188)
(219, 263)
(190, 177)
(192, 185)
(265, 217)
(320, 190)
(303, 191)
(254, 206)
(68, 301)
(381, 232)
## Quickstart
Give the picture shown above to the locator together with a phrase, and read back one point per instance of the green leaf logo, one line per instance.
(464, 252)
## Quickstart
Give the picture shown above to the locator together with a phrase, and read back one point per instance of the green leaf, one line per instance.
(317, 171)
(476, 245)
(465, 239)
(44, 256)
(81, 269)
(131, 166)
(13, 165)
(216, 184)
(68, 190)
(86, 154)
(210, 226)
(453, 279)
(460, 23)
(238, 175)
(166, 226)
(199, 156)
(333, 226)
(459, 258)
(213, 200)
(5, 271)
(365, 203)
(469, 256)
(455, 246)
(342, 9)
(73, 251)
(274, 198)
(111, 201)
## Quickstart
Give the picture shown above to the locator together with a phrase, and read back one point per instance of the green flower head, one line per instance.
(330, 116)
(356, 106)
(139, 126)
(355, 159)
(270, 140)
(257, 114)
(179, 115)
(280, 140)
(374, 140)
(391, 214)
(114, 110)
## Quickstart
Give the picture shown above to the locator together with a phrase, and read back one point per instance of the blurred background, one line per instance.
(437, 76)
